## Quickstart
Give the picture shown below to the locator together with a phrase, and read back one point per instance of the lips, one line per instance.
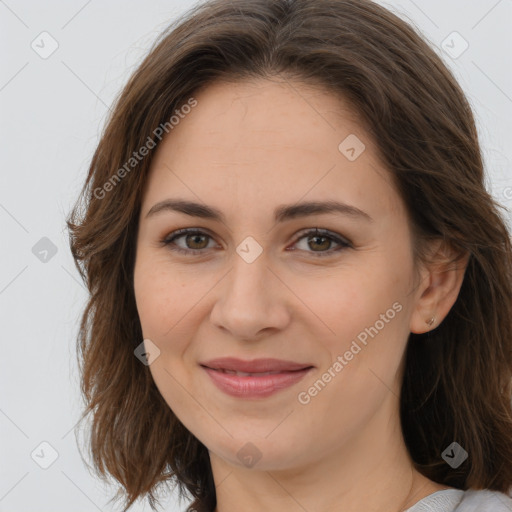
(254, 379)
(256, 366)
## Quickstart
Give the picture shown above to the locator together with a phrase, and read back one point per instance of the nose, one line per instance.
(251, 300)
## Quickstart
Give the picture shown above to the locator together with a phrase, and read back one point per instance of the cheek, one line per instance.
(170, 305)
(362, 317)
(350, 301)
(160, 297)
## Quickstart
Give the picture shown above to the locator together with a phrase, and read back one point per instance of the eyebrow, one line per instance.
(282, 213)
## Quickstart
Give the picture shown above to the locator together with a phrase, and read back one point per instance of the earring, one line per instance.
(431, 321)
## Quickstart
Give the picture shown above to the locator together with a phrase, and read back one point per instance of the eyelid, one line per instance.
(342, 241)
(169, 239)
(322, 232)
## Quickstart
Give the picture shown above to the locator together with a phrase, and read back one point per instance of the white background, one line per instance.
(52, 112)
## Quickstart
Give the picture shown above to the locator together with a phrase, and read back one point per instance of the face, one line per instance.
(314, 323)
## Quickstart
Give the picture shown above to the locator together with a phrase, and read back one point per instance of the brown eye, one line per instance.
(191, 241)
(316, 240)
(319, 242)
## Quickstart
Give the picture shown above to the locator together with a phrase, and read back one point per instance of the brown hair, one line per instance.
(457, 382)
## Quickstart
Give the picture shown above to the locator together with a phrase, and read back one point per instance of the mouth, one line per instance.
(255, 366)
(254, 379)
(249, 374)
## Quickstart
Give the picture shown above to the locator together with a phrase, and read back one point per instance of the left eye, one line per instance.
(196, 241)
(322, 239)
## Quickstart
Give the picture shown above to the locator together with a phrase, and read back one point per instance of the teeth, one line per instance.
(246, 374)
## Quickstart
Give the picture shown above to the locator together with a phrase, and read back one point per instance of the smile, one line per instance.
(254, 379)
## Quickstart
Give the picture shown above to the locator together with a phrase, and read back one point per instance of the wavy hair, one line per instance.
(457, 381)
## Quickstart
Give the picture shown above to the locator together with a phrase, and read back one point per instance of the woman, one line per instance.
(301, 291)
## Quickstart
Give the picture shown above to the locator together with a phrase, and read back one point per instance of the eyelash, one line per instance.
(168, 241)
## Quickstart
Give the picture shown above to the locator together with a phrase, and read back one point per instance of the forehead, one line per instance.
(270, 140)
(252, 113)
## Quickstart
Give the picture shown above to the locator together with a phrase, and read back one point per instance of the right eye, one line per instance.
(191, 236)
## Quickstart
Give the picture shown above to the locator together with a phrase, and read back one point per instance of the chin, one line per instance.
(256, 452)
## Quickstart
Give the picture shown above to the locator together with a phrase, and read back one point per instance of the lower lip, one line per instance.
(254, 386)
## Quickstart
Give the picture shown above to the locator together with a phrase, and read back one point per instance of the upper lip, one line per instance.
(255, 365)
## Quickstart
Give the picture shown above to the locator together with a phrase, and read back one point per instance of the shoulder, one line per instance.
(457, 500)
(484, 501)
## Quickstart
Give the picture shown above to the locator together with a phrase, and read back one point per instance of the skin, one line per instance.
(245, 149)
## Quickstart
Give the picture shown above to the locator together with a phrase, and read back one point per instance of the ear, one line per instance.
(439, 287)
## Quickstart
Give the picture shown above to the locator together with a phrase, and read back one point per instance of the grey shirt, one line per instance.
(456, 500)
